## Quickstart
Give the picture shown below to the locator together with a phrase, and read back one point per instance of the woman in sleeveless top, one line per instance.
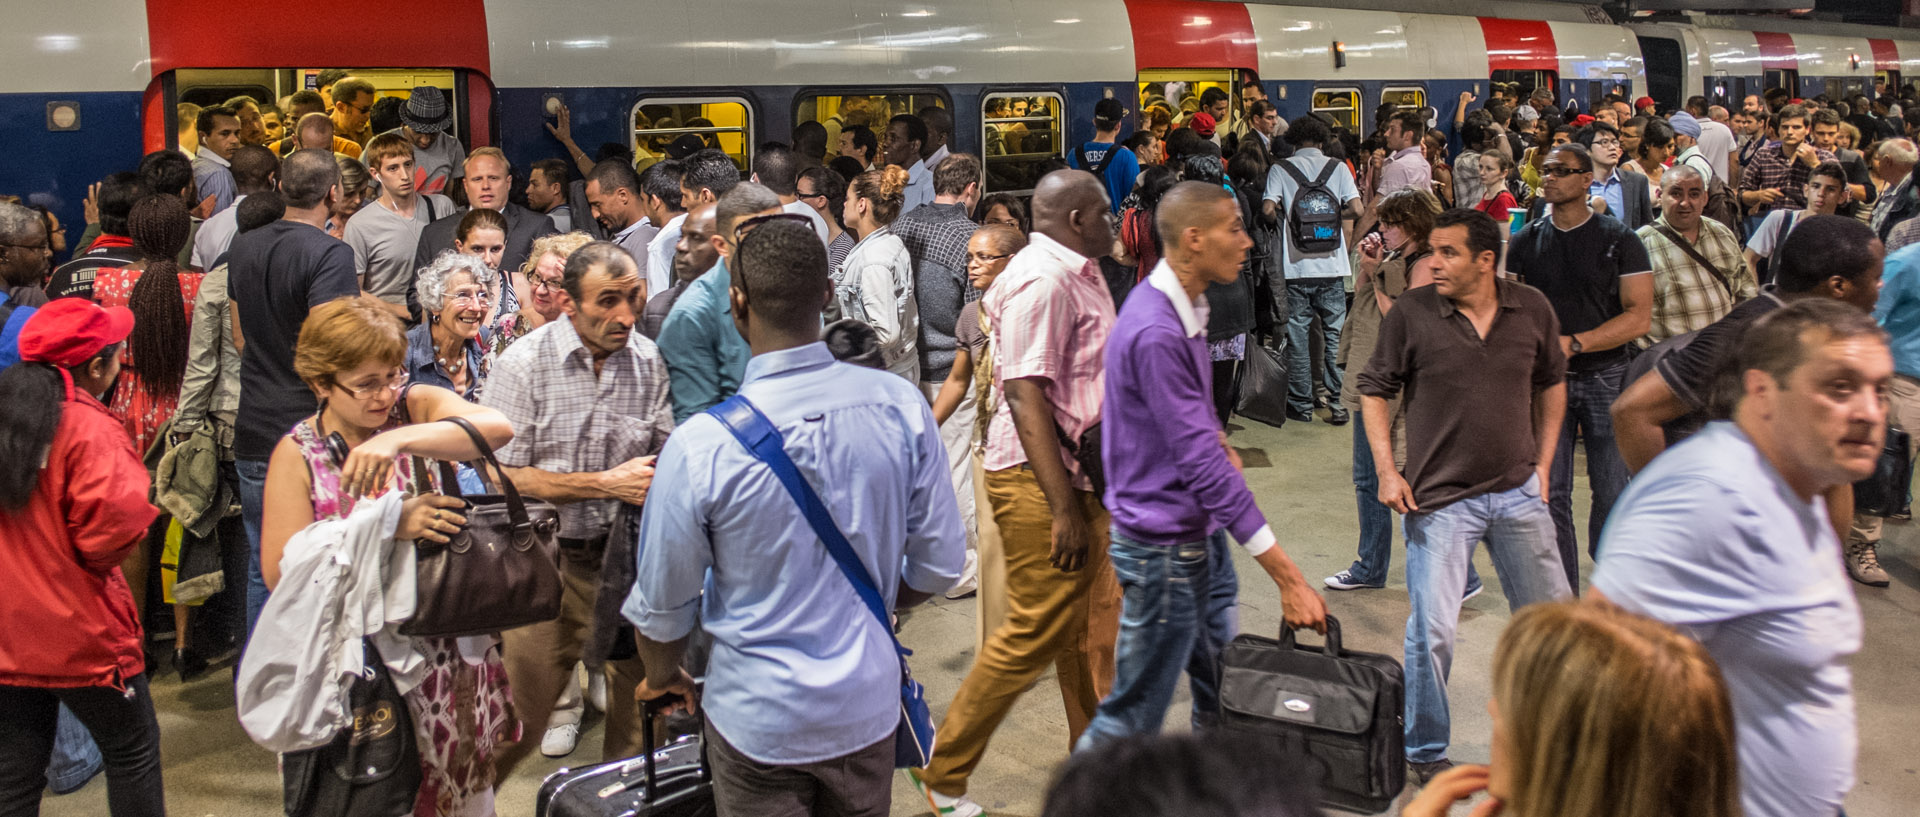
(350, 354)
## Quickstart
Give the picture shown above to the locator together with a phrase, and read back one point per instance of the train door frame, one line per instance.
(697, 96)
(1787, 79)
(1061, 123)
(1661, 68)
(464, 108)
(1360, 123)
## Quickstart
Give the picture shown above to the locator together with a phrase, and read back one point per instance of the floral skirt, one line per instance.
(1233, 348)
(461, 713)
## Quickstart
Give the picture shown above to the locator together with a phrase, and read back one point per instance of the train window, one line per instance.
(874, 110)
(1019, 133)
(1405, 98)
(1173, 95)
(1524, 81)
(724, 123)
(1343, 104)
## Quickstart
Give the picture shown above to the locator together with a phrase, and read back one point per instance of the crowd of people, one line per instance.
(1023, 399)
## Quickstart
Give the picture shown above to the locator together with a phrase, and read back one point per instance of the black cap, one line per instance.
(1109, 111)
(687, 145)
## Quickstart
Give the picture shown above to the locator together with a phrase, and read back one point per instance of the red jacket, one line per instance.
(70, 619)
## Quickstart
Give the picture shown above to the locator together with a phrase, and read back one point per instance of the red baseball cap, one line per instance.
(70, 331)
(1583, 120)
(1203, 124)
(1643, 102)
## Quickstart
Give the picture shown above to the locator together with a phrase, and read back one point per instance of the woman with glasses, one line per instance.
(546, 300)
(363, 442)
(449, 348)
(875, 285)
(1004, 208)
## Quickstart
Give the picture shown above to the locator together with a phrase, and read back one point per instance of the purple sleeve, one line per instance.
(1187, 429)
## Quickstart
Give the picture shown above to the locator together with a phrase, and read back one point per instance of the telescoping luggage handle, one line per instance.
(1332, 644)
(648, 711)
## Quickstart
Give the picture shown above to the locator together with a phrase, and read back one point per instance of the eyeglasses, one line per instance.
(549, 284)
(1561, 171)
(740, 230)
(810, 195)
(470, 298)
(393, 383)
(987, 258)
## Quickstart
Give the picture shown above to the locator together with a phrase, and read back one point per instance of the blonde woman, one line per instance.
(1598, 712)
(546, 301)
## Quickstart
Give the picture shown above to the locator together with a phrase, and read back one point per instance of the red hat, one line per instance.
(1203, 124)
(1643, 102)
(1583, 120)
(70, 331)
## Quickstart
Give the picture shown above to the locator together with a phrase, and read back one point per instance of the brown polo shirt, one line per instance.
(1469, 400)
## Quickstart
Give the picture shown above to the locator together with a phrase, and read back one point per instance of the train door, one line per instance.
(1524, 81)
(1021, 132)
(273, 91)
(1886, 82)
(1174, 94)
(721, 122)
(1726, 91)
(1786, 79)
(1666, 65)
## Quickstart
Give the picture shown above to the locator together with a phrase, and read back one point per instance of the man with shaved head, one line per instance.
(1177, 491)
(693, 254)
(1050, 314)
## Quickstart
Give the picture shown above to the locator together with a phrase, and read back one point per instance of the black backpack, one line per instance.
(1097, 168)
(1313, 219)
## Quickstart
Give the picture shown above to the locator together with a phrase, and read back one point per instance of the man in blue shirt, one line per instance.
(1726, 536)
(1899, 313)
(706, 358)
(1105, 156)
(802, 692)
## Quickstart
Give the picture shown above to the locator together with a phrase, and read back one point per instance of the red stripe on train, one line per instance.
(1777, 51)
(343, 33)
(1886, 56)
(1192, 34)
(1519, 45)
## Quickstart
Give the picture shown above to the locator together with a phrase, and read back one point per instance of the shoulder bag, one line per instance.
(498, 573)
(1693, 253)
(913, 739)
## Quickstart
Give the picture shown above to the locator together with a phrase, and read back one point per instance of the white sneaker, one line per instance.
(969, 583)
(597, 690)
(560, 740)
(942, 805)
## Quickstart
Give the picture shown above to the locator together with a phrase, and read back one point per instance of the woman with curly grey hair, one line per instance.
(448, 348)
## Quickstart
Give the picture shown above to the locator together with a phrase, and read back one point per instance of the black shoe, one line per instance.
(1425, 772)
(1337, 415)
(1300, 416)
(190, 664)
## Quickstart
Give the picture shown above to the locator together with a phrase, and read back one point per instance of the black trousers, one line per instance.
(122, 723)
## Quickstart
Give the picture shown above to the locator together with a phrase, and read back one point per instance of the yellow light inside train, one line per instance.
(1339, 54)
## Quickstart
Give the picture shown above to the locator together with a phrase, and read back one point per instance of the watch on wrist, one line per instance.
(1574, 344)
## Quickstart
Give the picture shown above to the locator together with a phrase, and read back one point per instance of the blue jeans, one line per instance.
(1376, 520)
(1519, 536)
(1306, 297)
(1179, 612)
(1590, 397)
(76, 758)
(253, 491)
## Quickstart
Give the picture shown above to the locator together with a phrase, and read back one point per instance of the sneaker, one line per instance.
(942, 805)
(1344, 580)
(1337, 415)
(560, 740)
(969, 583)
(597, 690)
(1863, 564)
(1474, 589)
(1424, 772)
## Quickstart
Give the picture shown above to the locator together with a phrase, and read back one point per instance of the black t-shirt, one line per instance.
(1691, 372)
(74, 279)
(277, 273)
(1579, 270)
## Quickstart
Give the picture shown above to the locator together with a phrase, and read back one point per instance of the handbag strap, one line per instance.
(516, 507)
(752, 428)
(1681, 242)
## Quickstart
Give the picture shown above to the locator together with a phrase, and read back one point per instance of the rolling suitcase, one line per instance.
(672, 781)
(1337, 710)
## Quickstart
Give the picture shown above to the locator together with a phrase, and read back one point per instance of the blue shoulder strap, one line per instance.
(757, 433)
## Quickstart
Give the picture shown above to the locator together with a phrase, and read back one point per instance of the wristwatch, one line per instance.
(1574, 344)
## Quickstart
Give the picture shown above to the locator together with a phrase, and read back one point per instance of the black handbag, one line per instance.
(370, 769)
(500, 572)
(1086, 452)
(1263, 385)
(1337, 710)
(1887, 491)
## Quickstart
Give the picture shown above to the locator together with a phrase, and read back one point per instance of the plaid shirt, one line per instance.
(1687, 296)
(568, 420)
(1771, 168)
(936, 236)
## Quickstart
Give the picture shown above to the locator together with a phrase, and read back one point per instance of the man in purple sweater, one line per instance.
(1174, 487)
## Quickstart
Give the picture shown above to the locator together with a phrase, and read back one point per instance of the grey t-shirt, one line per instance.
(384, 242)
(436, 167)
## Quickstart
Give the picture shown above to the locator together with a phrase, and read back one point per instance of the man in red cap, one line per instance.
(74, 511)
(1644, 106)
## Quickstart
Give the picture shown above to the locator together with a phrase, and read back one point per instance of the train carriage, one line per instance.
(86, 89)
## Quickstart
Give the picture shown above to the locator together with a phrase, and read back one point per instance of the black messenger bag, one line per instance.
(1337, 710)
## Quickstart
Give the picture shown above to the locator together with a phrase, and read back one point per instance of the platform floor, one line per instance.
(1302, 476)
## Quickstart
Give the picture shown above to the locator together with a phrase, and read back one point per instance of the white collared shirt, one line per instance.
(1193, 311)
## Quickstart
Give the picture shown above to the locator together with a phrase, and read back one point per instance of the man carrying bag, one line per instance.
(803, 694)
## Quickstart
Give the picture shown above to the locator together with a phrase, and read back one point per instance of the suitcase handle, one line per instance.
(1331, 646)
(648, 711)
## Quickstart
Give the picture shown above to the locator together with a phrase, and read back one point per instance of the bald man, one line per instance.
(1176, 488)
(1050, 314)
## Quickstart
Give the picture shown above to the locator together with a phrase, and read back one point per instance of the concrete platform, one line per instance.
(1302, 475)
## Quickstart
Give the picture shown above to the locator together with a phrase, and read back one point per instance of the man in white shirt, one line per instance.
(905, 136)
(1718, 145)
(939, 136)
(660, 195)
(613, 191)
(778, 168)
(1314, 279)
(255, 170)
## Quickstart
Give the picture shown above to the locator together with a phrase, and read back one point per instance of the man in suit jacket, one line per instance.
(489, 175)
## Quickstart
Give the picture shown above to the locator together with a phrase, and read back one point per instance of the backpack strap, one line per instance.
(1326, 172)
(1096, 168)
(1299, 178)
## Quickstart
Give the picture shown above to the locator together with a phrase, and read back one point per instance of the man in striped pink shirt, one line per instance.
(1049, 315)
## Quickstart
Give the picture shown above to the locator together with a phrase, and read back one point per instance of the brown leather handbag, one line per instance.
(498, 573)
